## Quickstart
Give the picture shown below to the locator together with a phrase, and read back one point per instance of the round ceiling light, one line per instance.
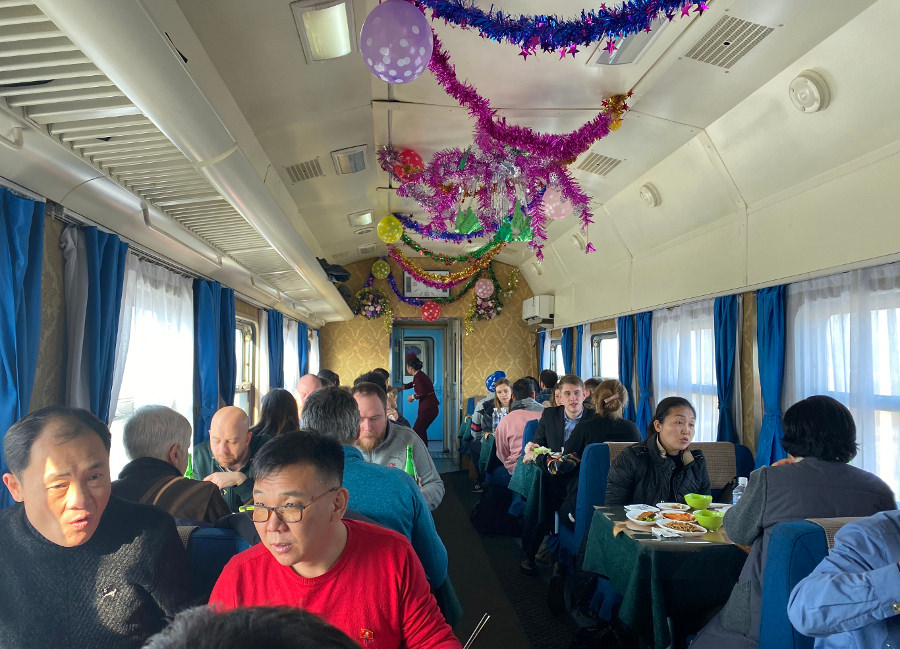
(810, 92)
(650, 195)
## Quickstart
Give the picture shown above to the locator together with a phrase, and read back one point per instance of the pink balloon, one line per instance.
(484, 288)
(396, 41)
(555, 206)
(431, 311)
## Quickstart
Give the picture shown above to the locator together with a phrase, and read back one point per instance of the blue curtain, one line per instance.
(770, 338)
(725, 326)
(625, 332)
(303, 346)
(227, 340)
(579, 345)
(105, 256)
(566, 342)
(276, 348)
(21, 246)
(207, 305)
(644, 326)
(542, 336)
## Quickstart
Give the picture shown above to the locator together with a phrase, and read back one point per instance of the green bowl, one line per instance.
(711, 520)
(697, 501)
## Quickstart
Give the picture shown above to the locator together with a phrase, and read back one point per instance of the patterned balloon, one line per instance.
(484, 288)
(380, 269)
(491, 382)
(431, 311)
(396, 41)
(410, 163)
(389, 228)
(555, 206)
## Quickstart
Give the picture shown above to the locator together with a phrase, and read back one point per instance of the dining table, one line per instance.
(666, 584)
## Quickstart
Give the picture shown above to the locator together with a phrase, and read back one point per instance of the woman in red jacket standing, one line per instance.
(424, 394)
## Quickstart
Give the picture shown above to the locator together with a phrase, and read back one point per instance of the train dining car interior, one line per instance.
(618, 285)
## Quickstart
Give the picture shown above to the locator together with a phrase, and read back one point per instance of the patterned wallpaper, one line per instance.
(506, 342)
(50, 377)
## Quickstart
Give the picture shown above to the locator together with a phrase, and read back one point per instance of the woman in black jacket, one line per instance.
(661, 468)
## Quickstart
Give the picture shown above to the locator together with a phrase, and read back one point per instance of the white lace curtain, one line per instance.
(843, 340)
(315, 360)
(291, 354)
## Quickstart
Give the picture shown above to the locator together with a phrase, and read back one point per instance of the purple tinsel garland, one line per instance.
(552, 33)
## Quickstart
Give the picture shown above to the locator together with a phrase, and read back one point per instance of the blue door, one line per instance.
(428, 345)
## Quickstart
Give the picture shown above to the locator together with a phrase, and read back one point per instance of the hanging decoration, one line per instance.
(555, 206)
(380, 269)
(475, 255)
(411, 224)
(551, 33)
(441, 281)
(409, 163)
(484, 288)
(396, 41)
(389, 228)
(431, 311)
(372, 303)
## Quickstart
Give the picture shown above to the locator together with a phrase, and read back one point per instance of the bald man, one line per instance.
(224, 459)
(307, 384)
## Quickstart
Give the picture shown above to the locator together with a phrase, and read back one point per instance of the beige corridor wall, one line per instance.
(506, 342)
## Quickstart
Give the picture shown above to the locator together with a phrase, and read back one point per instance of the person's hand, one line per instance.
(392, 414)
(529, 453)
(787, 460)
(225, 479)
(411, 398)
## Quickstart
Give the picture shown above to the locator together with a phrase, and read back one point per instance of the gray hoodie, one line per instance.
(391, 451)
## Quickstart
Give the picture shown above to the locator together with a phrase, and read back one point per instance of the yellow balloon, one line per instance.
(380, 269)
(390, 229)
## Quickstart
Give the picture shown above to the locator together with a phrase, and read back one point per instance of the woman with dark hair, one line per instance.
(329, 378)
(815, 481)
(661, 468)
(610, 398)
(423, 392)
(278, 414)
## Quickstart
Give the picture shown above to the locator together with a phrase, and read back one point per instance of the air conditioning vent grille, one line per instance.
(600, 165)
(304, 171)
(728, 41)
(367, 248)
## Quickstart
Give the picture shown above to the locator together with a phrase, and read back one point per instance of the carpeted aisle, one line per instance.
(485, 574)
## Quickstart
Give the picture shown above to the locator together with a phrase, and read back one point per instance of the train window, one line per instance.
(843, 340)
(684, 362)
(605, 355)
(556, 357)
(245, 370)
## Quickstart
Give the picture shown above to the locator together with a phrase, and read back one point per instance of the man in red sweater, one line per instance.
(363, 579)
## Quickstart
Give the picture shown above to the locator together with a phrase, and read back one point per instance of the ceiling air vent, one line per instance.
(600, 165)
(367, 249)
(728, 41)
(304, 171)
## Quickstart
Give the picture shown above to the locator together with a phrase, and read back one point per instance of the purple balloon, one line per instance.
(396, 42)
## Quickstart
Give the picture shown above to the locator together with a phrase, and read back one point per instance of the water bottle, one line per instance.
(738, 490)
(502, 412)
(410, 466)
(495, 419)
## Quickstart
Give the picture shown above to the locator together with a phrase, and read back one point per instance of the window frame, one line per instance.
(248, 368)
(596, 355)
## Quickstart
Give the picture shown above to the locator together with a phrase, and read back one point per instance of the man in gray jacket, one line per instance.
(384, 442)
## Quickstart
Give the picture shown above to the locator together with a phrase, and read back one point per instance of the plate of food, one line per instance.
(647, 517)
(641, 508)
(674, 515)
(541, 450)
(681, 507)
(683, 528)
(721, 507)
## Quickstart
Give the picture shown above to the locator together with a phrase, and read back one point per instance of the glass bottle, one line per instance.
(189, 472)
(410, 466)
(738, 490)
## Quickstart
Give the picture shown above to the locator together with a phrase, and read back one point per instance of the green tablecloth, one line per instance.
(528, 481)
(660, 579)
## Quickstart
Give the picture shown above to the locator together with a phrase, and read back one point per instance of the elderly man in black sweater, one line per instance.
(80, 568)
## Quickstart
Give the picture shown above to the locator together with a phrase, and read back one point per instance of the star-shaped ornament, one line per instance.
(610, 46)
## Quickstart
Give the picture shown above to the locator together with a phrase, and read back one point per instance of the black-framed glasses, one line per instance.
(285, 513)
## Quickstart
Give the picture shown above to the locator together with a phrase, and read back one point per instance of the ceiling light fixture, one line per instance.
(325, 28)
(360, 219)
(650, 195)
(350, 160)
(810, 92)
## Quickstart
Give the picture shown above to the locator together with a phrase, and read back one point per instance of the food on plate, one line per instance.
(541, 450)
(647, 517)
(680, 526)
(678, 516)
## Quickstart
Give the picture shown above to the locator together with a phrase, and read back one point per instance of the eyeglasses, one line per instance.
(285, 513)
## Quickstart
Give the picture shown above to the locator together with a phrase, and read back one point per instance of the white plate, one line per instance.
(681, 507)
(700, 531)
(720, 507)
(632, 515)
(641, 508)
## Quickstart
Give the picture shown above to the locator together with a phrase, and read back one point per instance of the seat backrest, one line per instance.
(209, 549)
(470, 405)
(528, 433)
(795, 549)
(591, 485)
(721, 463)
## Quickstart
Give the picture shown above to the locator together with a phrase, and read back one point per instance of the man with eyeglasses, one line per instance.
(363, 579)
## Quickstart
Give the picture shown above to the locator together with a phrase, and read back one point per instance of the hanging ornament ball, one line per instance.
(380, 269)
(491, 381)
(410, 164)
(389, 228)
(484, 288)
(555, 206)
(431, 311)
(396, 42)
